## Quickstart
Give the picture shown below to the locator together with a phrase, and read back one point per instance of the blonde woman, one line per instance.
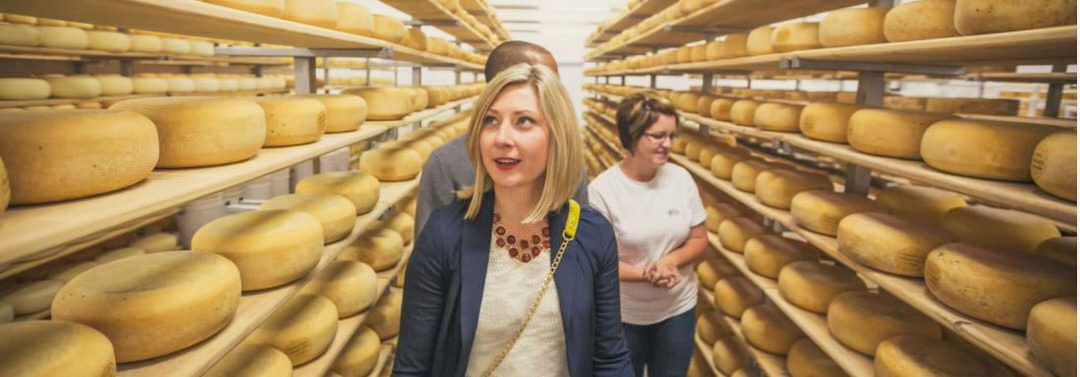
(517, 279)
(659, 223)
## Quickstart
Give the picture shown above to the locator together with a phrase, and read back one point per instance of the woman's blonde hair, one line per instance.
(565, 164)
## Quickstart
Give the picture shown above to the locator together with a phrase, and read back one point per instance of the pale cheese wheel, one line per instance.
(17, 89)
(360, 355)
(270, 247)
(705, 157)
(743, 111)
(826, 121)
(919, 356)
(292, 120)
(155, 304)
(272, 8)
(51, 22)
(712, 269)
(711, 326)
(63, 37)
(1053, 165)
(919, 203)
(416, 39)
(853, 26)
(888, 243)
(362, 189)
(202, 48)
(115, 149)
(391, 29)
(735, 232)
(118, 254)
(335, 213)
(768, 254)
(344, 113)
(32, 297)
(72, 271)
(777, 117)
(19, 35)
(795, 36)
(229, 85)
(390, 163)
(20, 19)
(115, 85)
(252, 361)
(684, 54)
(821, 210)
(79, 86)
(997, 16)
(110, 41)
(1061, 248)
(302, 328)
(918, 20)
(723, 163)
(720, 109)
(759, 41)
(404, 224)
(1000, 229)
(730, 355)
(385, 317)
(54, 348)
(982, 149)
(384, 103)
(175, 46)
(1051, 334)
(806, 359)
(767, 328)
(733, 295)
(693, 148)
(776, 187)
(180, 85)
(744, 174)
(149, 85)
(351, 286)
(322, 13)
(203, 131)
(862, 320)
(146, 43)
(381, 249)
(889, 133)
(733, 46)
(355, 18)
(999, 287)
(206, 84)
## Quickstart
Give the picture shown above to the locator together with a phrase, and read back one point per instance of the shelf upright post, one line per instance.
(871, 92)
(367, 71)
(707, 83)
(1053, 95)
(652, 81)
(304, 73)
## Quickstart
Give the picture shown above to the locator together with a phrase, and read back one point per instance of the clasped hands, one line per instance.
(662, 273)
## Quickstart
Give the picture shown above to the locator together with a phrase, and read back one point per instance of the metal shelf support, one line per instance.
(304, 71)
(794, 62)
(1054, 94)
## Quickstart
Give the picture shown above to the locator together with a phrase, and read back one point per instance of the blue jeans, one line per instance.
(664, 348)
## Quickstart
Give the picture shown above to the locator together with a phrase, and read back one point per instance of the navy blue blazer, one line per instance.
(444, 285)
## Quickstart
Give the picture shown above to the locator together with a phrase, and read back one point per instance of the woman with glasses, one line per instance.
(659, 224)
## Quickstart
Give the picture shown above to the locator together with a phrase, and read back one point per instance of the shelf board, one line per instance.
(433, 12)
(771, 365)
(256, 307)
(707, 355)
(627, 19)
(1044, 78)
(43, 53)
(113, 99)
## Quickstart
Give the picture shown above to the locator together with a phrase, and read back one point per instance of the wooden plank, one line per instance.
(443, 19)
(628, 18)
(386, 353)
(815, 328)
(1045, 78)
(769, 364)
(707, 354)
(1042, 121)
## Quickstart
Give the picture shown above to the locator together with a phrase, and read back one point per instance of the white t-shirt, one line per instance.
(651, 219)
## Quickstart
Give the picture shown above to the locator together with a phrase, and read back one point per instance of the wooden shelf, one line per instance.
(113, 99)
(707, 355)
(625, 20)
(42, 53)
(434, 13)
(771, 365)
(255, 307)
(1044, 78)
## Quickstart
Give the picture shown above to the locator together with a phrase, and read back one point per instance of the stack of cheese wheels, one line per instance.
(919, 203)
(853, 26)
(392, 162)
(776, 187)
(733, 295)
(996, 16)
(76, 86)
(202, 131)
(336, 213)
(889, 133)
(271, 247)
(118, 254)
(37, 149)
(720, 109)
(344, 113)
(745, 173)
(252, 361)
(826, 121)
(1002, 229)
(711, 326)
(404, 224)
(862, 320)
(157, 242)
(712, 269)
(821, 210)
(350, 285)
(32, 297)
(982, 149)
(1053, 165)
(380, 248)
(1051, 333)
(306, 319)
(812, 286)
(355, 18)
(805, 359)
(717, 213)
(767, 254)
(292, 120)
(921, 19)
(392, 30)
(921, 356)
(54, 348)
(888, 243)
(759, 41)
(730, 354)
(360, 355)
(63, 37)
(723, 163)
(19, 35)
(767, 328)
(997, 286)
(24, 89)
(385, 317)
(795, 36)
(273, 8)
(147, 43)
(155, 304)
(385, 103)
(735, 232)
(777, 117)
(743, 111)
(322, 13)
(362, 189)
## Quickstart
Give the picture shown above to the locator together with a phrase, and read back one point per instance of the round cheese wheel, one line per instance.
(723, 163)
(381, 249)
(862, 320)
(733, 46)
(335, 212)
(391, 29)
(385, 317)
(19, 35)
(821, 210)
(720, 108)
(733, 295)
(384, 103)
(1051, 334)
(684, 55)
(154, 304)
(360, 355)
(362, 189)
(777, 117)
(404, 224)
(271, 247)
(229, 85)
(32, 297)
(805, 359)
(146, 43)
(118, 254)
(735, 232)
(776, 187)
(416, 39)
(115, 85)
(922, 19)
(767, 254)
(65, 275)
(115, 149)
(744, 174)
(711, 270)
(888, 243)
(202, 48)
(730, 355)
(63, 37)
(853, 26)
(355, 18)
(693, 148)
(175, 46)
(1000, 229)
(919, 356)
(759, 41)
(1061, 248)
(743, 112)
(206, 84)
(711, 326)
(767, 328)
(248, 84)
(322, 13)
(1053, 165)
(110, 41)
(272, 8)
(149, 85)
(302, 328)
(795, 36)
(392, 162)
(292, 120)
(826, 121)
(80, 86)
(889, 133)
(999, 287)
(157, 242)
(705, 157)
(919, 203)
(54, 348)
(203, 131)
(344, 113)
(352, 286)
(24, 89)
(252, 361)
(982, 149)
(179, 85)
(997, 16)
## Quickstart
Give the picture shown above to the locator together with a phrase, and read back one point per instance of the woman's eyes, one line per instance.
(490, 120)
(523, 121)
(520, 121)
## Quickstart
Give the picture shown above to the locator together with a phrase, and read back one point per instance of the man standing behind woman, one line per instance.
(658, 218)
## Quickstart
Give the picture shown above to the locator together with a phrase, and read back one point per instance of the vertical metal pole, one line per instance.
(457, 76)
(127, 68)
(304, 73)
(622, 80)
(857, 180)
(871, 92)
(395, 65)
(326, 73)
(707, 83)
(367, 71)
(1053, 95)
(416, 78)
(652, 81)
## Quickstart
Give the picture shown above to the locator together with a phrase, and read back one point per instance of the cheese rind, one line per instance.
(805, 359)
(302, 328)
(759, 41)
(54, 348)
(776, 187)
(711, 270)
(344, 113)
(1051, 334)
(352, 286)
(115, 85)
(735, 232)
(80, 86)
(19, 35)
(982, 149)
(733, 295)
(919, 356)
(272, 8)
(385, 317)
(919, 203)
(110, 41)
(812, 286)
(381, 249)
(322, 13)
(777, 117)
(355, 18)
(385, 103)
(767, 328)
(24, 89)
(826, 121)
(1061, 248)
(1001, 229)
(997, 16)
(63, 37)
(1053, 165)
(821, 210)
(711, 326)
(923, 19)
(862, 320)
(252, 361)
(270, 247)
(362, 189)
(768, 254)
(360, 354)
(796, 36)
(32, 297)
(292, 120)
(888, 243)
(391, 163)
(889, 133)
(391, 29)
(146, 43)
(335, 213)
(853, 26)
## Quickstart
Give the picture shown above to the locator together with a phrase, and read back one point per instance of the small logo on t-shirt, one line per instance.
(673, 212)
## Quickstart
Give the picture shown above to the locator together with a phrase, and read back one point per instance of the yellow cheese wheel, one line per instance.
(392, 162)
(271, 247)
(744, 174)
(72, 271)
(272, 8)
(826, 121)
(712, 269)
(733, 46)
(982, 149)
(51, 22)
(795, 36)
(693, 148)
(996, 16)
(711, 326)
(360, 355)
(919, 203)
(999, 287)
(351, 286)
(32, 297)
(202, 48)
(292, 120)
(416, 39)
(805, 359)
(380, 248)
(720, 109)
(743, 112)
(54, 348)
(1061, 248)
(149, 85)
(735, 232)
(19, 35)
(889, 133)
(733, 295)
(767, 328)
(391, 29)
(768, 254)
(355, 18)
(384, 103)
(404, 224)
(1051, 334)
(862, 320)
(888, 243)
(146, 43)
(302, 328)
(776, 187)
(24, 89)
(20, 19)
(175, 46)
(853, 26)
(79, 86)
(180, 85)
(1000, 229)
(821, 210)
(1053, 165)
(777, 117)
(715, 214)
(322, 13)
(385, 317)
(115, 85)
(196, 131)
(229, 85)
(723, 163)
(730, 355)
(252, 361)
(154, 304)
(705, 157)
(362, 189)
(118, 254)
(336, 213)
(206, 84)
(248, 84)
(759, 41)
(63, 37)
(922, 19)
(110, 41)
(37, 148)
(685, 54)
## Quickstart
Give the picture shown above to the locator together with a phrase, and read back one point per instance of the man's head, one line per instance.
(511, 53)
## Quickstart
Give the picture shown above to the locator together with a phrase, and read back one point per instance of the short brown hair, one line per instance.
(511, 53)
(637, 113)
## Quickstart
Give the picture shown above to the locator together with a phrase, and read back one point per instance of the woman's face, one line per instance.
(654, 145)
(514, 140)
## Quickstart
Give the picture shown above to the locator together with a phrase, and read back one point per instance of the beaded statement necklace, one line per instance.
(524, 249)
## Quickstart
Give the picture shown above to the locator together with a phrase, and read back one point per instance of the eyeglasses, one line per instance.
(660, 137)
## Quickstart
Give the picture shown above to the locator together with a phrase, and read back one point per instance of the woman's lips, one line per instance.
(506, 163)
